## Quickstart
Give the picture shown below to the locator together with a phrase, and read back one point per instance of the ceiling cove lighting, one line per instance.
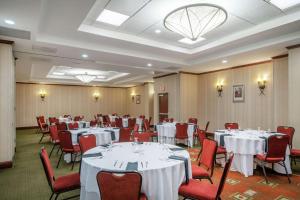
(189, 41)
(84, 55)
(10, 22)
(85, 78)
(224, 61)
(284, 4)
(111, 17)
(157, 31)
(149, 65)
(195, 20)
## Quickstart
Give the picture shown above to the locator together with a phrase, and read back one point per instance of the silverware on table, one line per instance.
(115, 163)
(121, 164)
(142, 164)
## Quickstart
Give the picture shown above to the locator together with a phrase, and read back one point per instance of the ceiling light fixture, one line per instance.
(10, 22)
(111, 17)
(157, 31)
(84, 55)
(195, 20)
(189, 41)
(85, 78)
(224, 61)
(149, 65)
(284, 4)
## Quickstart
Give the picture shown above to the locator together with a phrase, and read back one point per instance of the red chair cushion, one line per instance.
(76, 149)
(198, 171)
(67, 182)
(295, 152)
(198, 190)
(221, 150)
(269, 160)
(143, 197)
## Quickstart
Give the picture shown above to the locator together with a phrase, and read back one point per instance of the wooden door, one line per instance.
(163, 106)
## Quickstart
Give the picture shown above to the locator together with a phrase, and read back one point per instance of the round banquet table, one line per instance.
(161, 176)
(166, 133)
(245, 144)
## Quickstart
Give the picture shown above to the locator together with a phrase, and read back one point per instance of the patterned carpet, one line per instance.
(27, 181)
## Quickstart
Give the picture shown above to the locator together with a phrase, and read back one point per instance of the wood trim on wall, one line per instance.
(6, 164)
(6, 41)
(156, 77)
(280, 56)
(190, 73)
(293, 46)
(34, 83)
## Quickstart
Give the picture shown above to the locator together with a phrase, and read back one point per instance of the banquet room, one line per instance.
(150, 99)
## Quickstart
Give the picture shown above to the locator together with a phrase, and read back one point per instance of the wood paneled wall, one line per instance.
(60, 100)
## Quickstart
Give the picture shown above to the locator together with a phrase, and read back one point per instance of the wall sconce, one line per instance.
(96, 96)
(132, 97)
(262, 85)
(220, 88)
(42, 94)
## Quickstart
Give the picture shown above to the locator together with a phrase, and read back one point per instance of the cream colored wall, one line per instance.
(170, 85)
(256, 111)
(294, 94)
(60, 100)
(188, 96)
(7, 103)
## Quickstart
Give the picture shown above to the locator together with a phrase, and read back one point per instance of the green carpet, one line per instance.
(27, 180)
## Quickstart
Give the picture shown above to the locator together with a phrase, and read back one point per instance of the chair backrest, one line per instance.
(125, 134)
(150, 119)
(206, 127)
(142, 137)
(65, 139)
(142, 116)
(47, 167)
(106, 119)
(277, 146)
(93, 123)
(201, 136)
(77, 118)
(114, 114)
(136, 128)
(119, 122)
(224, 175)
(67, 116)
(52, 120)
(53, 133)
(131, 122)
(231, 125)
(119, 185)
(87, 142)
(181, 131)
(73, 126)
(146, 125)
(208, 153)
(193, 120)
(288, 131)
(62, 126)
(41, 119)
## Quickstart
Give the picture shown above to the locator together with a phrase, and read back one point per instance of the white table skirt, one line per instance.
(166, 133)
(161, 178)
(245, 145)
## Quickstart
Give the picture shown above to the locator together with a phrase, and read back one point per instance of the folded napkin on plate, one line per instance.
(132, 166)
(266, 142)
(176, 149)
(222, 139)
(112, 134)
(90, 155)
(186, 166)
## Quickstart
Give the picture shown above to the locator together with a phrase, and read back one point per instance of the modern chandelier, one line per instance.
(195, 20)
(85, 78)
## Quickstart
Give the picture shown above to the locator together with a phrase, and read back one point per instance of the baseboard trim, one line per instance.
(6, 164)
(26, 127)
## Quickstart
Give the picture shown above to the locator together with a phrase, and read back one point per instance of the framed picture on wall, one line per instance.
(238, 93)
(138, 99)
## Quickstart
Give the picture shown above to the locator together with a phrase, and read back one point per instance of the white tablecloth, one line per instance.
(102, 136)
(166, 133)
(64, 119)
(246, 144)
(161, 176)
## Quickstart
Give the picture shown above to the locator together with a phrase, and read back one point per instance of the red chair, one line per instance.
(196, 133)
(53, 120)
(77, 118)
(142, 116)
(119, 122)
(54, 137)
(62, 126)
(67, 116)
(205, 191)
(276, 153)
(125, 135)
(106, 120)
(42, 127)
(181, 132)
(231, 126)
(193, 120)
(142, 137)
(87, 142)
(131, 122)
(73, 126)
(201, 137)
(128, 185)
(93, 123)
(288, 131)
(207, 158)
(136, 128)
(66, 146)
(61, 184)
(146, 125)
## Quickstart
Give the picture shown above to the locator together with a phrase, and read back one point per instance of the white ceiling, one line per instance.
(62, 30)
